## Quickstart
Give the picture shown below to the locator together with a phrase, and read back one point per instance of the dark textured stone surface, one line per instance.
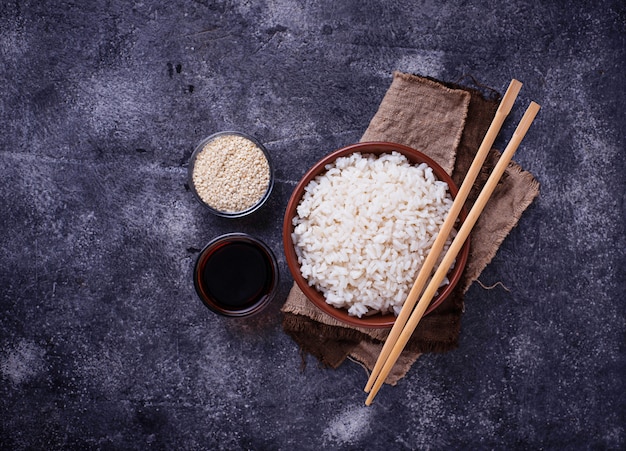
(103, 342)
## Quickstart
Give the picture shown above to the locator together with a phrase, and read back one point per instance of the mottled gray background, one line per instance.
(103, 342)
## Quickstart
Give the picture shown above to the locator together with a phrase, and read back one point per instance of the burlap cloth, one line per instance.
(447, 122)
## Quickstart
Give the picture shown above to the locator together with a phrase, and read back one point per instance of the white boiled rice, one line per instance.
(364, 228)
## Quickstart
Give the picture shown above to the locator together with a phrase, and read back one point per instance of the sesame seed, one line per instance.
(231, 173)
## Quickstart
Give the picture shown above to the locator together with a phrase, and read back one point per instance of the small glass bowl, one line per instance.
(236, 275)
(230, 214)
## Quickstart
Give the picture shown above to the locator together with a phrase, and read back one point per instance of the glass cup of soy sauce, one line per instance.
(236, 275)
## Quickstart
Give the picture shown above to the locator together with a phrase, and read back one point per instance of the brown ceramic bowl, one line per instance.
(377, 148)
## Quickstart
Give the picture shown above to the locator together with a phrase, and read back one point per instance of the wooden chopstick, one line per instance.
(494, 128)
(455, 247)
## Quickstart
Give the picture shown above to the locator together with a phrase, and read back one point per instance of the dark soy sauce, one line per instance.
(234, 275)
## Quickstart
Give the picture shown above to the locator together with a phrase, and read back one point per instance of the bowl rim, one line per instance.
(369, 147)
(227, 214)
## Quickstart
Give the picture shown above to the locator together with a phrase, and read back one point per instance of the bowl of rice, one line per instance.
(359, 225)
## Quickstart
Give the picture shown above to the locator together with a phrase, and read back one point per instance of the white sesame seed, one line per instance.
(231, 173)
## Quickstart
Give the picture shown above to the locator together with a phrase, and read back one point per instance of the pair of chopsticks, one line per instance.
(410, 315)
